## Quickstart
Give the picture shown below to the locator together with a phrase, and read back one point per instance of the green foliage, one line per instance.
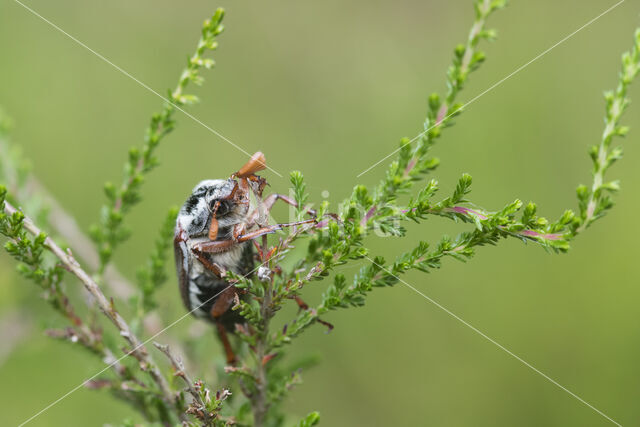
(412, 162)
(310, 420)
(140, 383)
(29, 253)
(261, 374)
(154, 274)
(111, 231)
(299, 192)
(33, 264)
(212, 405)
(341, 239)
(594, 202)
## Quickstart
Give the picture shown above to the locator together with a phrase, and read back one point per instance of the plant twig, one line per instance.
(594, 202)
(111, 232)
(71, 264)
(199, 407)
(67, 227)
(259, 398)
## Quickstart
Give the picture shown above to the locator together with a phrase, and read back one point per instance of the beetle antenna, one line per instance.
(256, 163)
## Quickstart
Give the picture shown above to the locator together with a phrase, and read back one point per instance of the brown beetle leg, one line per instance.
(328, 325)
(218, 246)
(214, 247)
(301, 304)
(222, 303)
(304, 306)
(211, 266)
(271, 199)
(222, 333)
(238, 230)
(271, 229)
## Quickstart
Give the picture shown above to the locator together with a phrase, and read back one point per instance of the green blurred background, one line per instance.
(328, 88)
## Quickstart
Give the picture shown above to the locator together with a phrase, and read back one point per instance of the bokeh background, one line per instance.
(328, 88)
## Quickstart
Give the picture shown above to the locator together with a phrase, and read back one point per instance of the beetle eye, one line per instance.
(223, 208)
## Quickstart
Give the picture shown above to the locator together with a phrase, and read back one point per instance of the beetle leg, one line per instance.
(222, 303)
(267, 205)
(222, 333)
(271, 229)
(211, 266)
(238, 230)
(328, 325)
(213, 247)
(301, 304)
(271, 199)
(218, 246)
(304, 306)
(257, 233)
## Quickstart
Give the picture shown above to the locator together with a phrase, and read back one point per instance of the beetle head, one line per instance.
(215, 194)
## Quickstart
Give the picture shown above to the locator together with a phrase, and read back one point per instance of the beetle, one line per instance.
(213, 235)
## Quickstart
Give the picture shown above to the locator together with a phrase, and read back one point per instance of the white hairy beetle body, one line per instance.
(199, 286)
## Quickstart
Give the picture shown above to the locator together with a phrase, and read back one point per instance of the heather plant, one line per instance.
(250, 392)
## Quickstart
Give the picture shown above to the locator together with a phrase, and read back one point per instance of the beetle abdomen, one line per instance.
(204, 287)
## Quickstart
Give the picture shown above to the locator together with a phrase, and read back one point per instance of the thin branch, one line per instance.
(260, 402)
(594, 202)
(67, 227)
(200, 405)
(71, 264)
